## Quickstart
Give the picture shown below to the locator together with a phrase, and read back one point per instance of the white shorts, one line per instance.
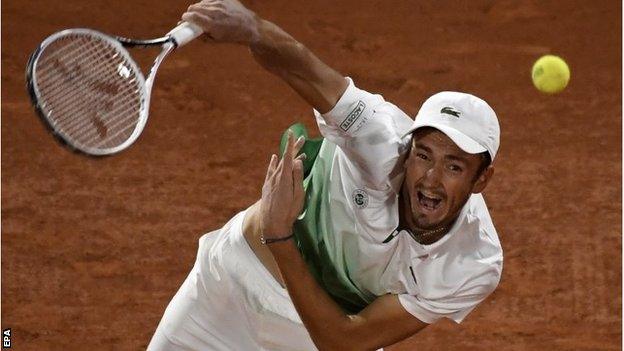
(230, 301)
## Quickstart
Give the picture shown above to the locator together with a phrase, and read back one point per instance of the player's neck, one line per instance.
(428, 237)
(422, 236)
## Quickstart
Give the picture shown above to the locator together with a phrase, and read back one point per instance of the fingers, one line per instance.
(199, 19)
(218, 3)
(205, 22)
(224, 21)
(276, 177)
(204, 14)
(207, 10)
(299, 144)
(294, 145)
(290, 144)
(286, 169)
(298, 192)
(211, 3)
(301, 157)
(292, 148)
(288, 156)
(271, 169)
(273, 163)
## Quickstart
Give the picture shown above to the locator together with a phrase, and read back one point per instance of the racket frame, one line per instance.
(168, 43)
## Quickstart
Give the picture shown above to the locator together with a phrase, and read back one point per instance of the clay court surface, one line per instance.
(93, 250)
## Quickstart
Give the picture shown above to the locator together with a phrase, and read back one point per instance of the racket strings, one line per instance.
(59, 87)
(89, 91)
(89, 131)
(73, 95)
(92, 130)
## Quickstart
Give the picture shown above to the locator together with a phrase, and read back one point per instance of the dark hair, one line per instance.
(486, 161)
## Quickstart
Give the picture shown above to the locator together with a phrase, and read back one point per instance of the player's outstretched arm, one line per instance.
(229, 21)
(320, 85)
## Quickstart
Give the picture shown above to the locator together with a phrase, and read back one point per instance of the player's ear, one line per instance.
(483, 179)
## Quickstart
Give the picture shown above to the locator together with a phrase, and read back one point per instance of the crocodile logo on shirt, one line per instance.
(450, 111)
(360, 198)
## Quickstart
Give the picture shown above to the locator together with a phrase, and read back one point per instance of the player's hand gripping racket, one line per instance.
(90, 92)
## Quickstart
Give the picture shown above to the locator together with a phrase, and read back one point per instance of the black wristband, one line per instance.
(274, 240)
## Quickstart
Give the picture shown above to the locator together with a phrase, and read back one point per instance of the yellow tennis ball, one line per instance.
(550, 74)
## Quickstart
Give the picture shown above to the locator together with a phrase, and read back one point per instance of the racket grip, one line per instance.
(184, 33)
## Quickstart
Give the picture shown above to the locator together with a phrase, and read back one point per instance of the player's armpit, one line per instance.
(382, 323)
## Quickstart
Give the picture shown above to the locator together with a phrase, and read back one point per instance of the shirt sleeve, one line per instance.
(458, 304)
(369, 131)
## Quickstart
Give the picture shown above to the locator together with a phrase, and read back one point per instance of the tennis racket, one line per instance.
(89, 91)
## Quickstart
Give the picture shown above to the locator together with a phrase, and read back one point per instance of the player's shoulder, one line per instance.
(401, 118)
(479, 213)
(482, 248)
(475, 244)
(373, 100)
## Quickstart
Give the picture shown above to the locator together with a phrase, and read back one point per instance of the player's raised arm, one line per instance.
(229, 21)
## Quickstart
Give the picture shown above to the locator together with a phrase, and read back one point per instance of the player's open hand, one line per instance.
(282, 192)
(224, 20)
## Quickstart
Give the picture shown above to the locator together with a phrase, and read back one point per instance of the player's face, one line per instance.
(439, 179)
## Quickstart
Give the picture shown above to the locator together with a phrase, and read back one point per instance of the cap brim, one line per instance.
(463, 141)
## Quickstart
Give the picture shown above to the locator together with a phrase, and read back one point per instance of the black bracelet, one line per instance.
(264, 241)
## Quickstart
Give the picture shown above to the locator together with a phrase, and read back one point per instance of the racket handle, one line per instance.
(184, 33)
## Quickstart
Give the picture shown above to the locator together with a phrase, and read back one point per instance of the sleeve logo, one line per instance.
(353, 116)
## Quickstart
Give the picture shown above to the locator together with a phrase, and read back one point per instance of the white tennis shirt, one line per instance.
(353, 207)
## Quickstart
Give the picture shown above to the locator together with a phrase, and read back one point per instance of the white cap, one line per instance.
(468, 120)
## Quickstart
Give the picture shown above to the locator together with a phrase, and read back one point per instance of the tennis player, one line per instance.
(383, 233)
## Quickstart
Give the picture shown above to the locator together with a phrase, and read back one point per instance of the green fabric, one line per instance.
(313, 228)
(310, 148)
